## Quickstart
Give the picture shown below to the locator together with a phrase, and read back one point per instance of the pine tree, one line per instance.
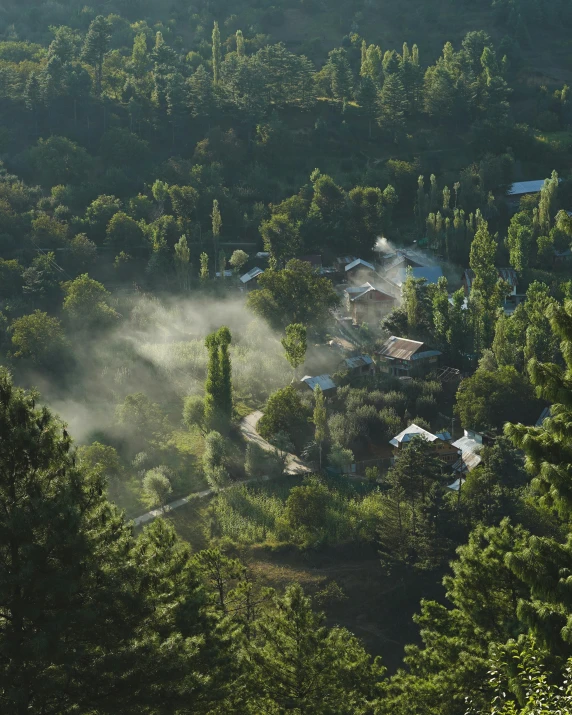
(367, 96)
(96, 46)
(301, 666)
(87, 625)
(216, 50)
(392, 105)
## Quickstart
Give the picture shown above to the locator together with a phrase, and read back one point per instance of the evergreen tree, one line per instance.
(86, 623)
(339, 71)
(392, 105)
(299, 665)
(96, 46)
(367, 96)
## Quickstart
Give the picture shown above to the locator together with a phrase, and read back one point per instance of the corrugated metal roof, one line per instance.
(358, 361)
(252, 273)
(324, 381)
(526, 187)
(410, 432)
(359, 262)
(401, 348)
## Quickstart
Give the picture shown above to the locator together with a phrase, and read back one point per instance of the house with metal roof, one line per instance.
(368, 304)
(250, 279)
(430, 274)
(359, 365)
(521, 188)
(470, 445)
(402, 357)
(324, 381)
(441, 442)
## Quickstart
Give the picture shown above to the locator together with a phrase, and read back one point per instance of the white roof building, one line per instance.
(413, 431)
(470, 445)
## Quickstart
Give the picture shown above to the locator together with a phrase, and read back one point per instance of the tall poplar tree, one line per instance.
(216, 49)
(320, 419)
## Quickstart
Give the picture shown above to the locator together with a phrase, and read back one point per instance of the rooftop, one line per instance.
(413, 431)
(252, 273)
(359, 263)
(430, 273)
(358, 361)
(400, 348)
(358, 292)
(324, 381)
(525, 187)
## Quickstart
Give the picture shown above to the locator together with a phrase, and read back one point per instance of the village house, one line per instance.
(509, 275)
(470, 446)
(440, 442)
(367, 304)
(359, 270)
(407, 358)
(324, 381)
(250, 279)
(360, 365)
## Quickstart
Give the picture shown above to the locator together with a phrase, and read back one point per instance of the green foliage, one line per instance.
(299, 664)
(86, 304)
(214, 462)
(295, 294)
(218, 387)
(39, 338)
(157, 487)
(489, 398)
(80, 582)
(284, 412)
(295, 345)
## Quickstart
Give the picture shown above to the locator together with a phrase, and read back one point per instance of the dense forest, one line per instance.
(200, 203)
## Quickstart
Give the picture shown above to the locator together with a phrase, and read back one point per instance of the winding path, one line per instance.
(294, 465)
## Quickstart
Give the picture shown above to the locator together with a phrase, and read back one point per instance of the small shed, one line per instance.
(250, 279)
(360, 365)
